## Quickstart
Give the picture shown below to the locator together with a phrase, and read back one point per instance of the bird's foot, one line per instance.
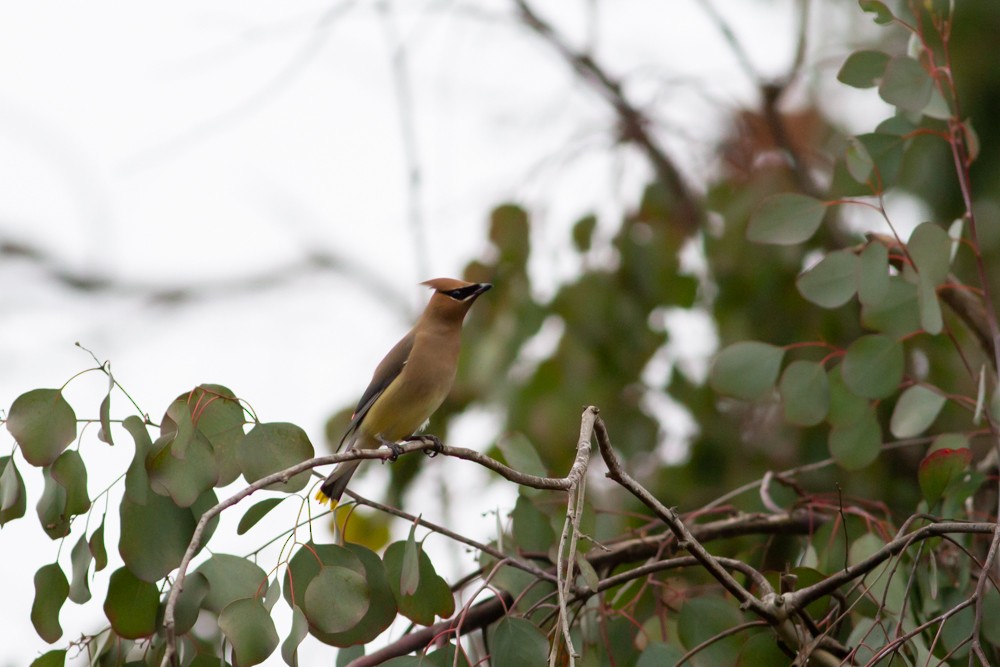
(394, 447)
(436, 446)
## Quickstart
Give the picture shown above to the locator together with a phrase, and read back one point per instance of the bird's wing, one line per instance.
(388, 370)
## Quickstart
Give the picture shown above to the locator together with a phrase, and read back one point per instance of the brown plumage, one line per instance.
(411, 382)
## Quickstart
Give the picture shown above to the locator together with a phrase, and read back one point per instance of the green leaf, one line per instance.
(845, 407)
(704, 618)
(859, 162)
(55, 658)
(863, 69)
(517, 641)
(104, 433)
(190, 601)
(250, 630)
(270, 448)
(97, 549)
(131, 605)
(786, 219)
(256, 512)
(583, 232)
(931, 320)
(746, 370)
(532, 529)
(906, 84)
(873, 366)
(915, 411)
(856, 445)
(136, 479)
(70, 473)
(882, 14)
(409, 571)
(51, 508)
(51, 591)
(832, 282)
(155, 536)
(520, 455)
(658, 654)
(930, 248)
(939, 469)
(298, 632)
(13, 496)
(80, 558)
(760, 650)
(183, 477)
(897, 314)
(214, 412)
(875, 159)
(230, 578)
(805, 393)
(873, 274)
(43, 424)
(305, 566)
(432, 596)
(337, 599)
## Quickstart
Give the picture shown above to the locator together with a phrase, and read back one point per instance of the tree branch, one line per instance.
(633, 123)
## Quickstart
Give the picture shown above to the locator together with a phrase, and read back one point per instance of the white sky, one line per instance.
(178, 144)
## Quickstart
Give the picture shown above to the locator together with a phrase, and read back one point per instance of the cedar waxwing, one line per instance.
(411, 382)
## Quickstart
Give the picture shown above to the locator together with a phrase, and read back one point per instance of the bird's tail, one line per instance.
(335, 484)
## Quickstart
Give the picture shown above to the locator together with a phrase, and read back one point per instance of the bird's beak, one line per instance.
(484, 287)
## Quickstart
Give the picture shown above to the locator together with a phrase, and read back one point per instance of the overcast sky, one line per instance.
(215, 147)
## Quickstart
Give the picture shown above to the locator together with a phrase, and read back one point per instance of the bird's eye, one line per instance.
(462, 293)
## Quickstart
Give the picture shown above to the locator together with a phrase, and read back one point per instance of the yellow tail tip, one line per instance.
(322, 498)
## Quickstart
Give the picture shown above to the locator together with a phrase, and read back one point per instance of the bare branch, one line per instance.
(633, 123)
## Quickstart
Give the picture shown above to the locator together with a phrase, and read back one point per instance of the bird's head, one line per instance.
(452, 298)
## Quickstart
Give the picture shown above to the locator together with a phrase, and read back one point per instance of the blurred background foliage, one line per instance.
(608, 318)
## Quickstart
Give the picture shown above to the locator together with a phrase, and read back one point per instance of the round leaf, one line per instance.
(873, 274)
(785, 219)
(805, 393)
(269, 448)
(863, 69)
(230, 578)
(906, 84)
(939, 468)
(216, 413)
(249, 628)
(51, 591)
(155, 536)
(131, 605)
(855, 446)
(832, 282)
(845, 407)
(930, 248)
(182, 468)
(746, 370)
(337, 599)
(897, 314)
(915, 411)
(43, 424)
(873, 366)
(704, 618)
(517, 641)
(305, 566)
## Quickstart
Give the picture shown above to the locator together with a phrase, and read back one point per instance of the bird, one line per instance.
(410, 383)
